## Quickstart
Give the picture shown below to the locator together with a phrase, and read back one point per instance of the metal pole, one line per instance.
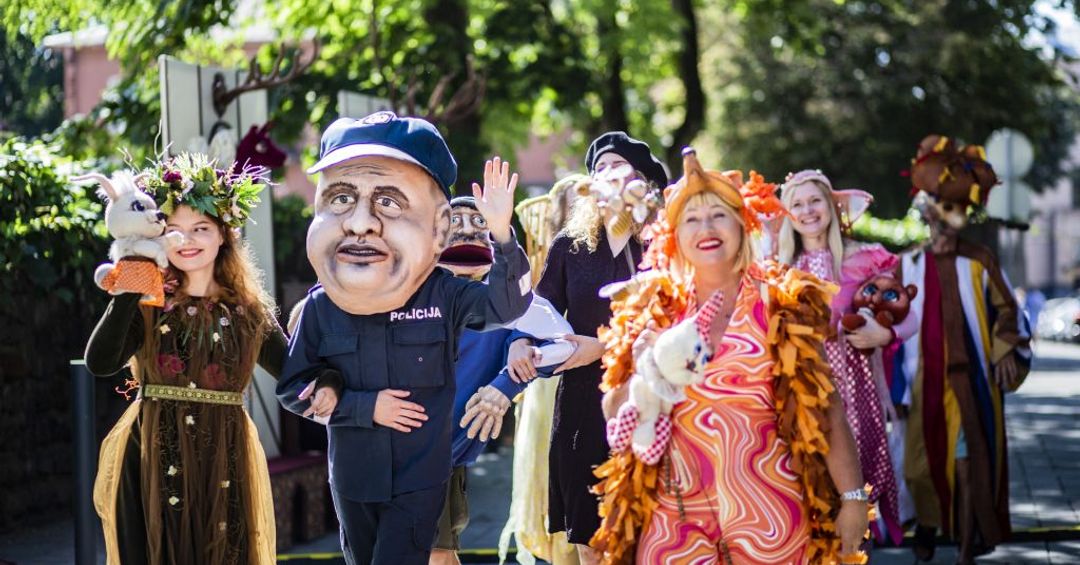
(1009, 257)
(85, 522)
(1051, 248)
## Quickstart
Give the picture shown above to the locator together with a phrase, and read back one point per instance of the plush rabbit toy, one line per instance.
(664, 370)
(138, 252)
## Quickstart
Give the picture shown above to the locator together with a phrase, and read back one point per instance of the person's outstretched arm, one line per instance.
(117, 337)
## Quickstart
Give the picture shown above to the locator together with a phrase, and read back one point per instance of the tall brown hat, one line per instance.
(952, 173)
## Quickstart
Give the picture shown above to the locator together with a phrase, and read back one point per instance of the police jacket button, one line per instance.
(420, 359)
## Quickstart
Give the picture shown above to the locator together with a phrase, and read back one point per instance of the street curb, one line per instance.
(491, 555)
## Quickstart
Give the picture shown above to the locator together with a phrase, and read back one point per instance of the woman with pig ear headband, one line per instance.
(812, 239)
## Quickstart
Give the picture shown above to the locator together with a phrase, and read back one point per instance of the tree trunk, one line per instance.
(613, 92)
(694, 120)
(449, 21)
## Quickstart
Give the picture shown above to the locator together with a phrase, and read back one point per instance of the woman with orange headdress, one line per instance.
(761, 466)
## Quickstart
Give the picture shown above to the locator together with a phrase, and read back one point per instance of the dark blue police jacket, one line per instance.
(412, 348)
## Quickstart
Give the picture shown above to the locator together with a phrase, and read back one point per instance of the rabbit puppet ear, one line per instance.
(107, 190)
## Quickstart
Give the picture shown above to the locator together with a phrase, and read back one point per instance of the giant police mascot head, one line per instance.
(469, 253)
(382, 212)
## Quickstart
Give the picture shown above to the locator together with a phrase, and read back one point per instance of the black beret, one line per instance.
(636, 152)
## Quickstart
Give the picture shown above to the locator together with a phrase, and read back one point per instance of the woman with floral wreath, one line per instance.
(182, 478)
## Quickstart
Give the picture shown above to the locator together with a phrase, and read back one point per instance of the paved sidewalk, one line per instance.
(1043, 422)
(1044, 451)
(1043, 425)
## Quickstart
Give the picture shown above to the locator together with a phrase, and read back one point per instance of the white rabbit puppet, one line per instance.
(134, 221)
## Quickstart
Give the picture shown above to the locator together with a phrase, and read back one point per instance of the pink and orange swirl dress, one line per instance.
(734, 498)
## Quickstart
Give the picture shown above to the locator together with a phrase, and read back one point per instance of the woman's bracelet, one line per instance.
(858, 495)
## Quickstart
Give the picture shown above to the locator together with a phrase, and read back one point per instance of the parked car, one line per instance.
(1059, 320)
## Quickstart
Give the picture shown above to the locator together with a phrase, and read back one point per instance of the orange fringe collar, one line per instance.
(799, 315)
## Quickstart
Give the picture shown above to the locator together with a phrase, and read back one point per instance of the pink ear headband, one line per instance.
(850, 203)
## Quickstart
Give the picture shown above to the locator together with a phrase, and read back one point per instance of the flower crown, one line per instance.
(191, 180)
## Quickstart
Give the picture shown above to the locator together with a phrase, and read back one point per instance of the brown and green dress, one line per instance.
(182, 478)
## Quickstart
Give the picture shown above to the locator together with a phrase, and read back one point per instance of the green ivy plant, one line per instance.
(51, 232)
(291, 216)
(895, 234)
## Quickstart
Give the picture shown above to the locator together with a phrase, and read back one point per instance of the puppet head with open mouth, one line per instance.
(469, 253)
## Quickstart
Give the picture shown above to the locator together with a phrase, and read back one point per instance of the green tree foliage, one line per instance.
(291, 216)
(589, 65)
(51, 238)
(31, 96)
(849, 86)
(51, 233)
(897, 235)
(643, 60)
(546, 65)
(852, 86)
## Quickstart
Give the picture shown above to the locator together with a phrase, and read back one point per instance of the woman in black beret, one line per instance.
(585, 256)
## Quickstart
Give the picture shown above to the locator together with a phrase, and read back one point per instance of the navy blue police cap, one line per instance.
(384, 134)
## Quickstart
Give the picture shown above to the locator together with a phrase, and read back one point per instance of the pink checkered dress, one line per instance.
(855, 384)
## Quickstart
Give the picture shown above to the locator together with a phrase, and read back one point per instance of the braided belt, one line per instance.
(188, 394)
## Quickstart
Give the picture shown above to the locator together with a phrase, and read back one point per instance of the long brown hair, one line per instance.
(210, 499)
(240, 283)
(239, 279)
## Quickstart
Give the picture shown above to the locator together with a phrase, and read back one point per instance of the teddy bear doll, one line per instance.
(883, 298)
(140, 242)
